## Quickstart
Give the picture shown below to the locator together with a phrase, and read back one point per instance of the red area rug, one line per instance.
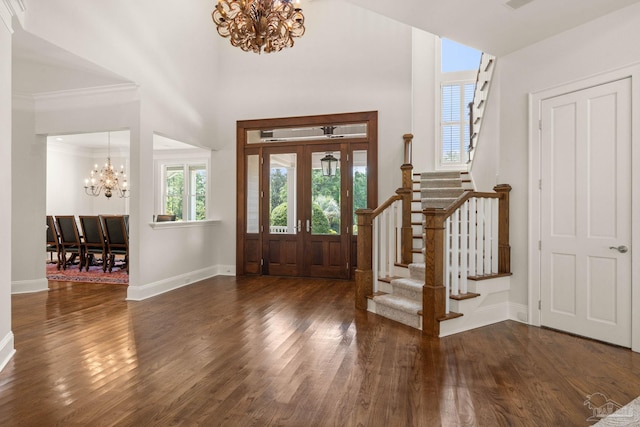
(94, 275)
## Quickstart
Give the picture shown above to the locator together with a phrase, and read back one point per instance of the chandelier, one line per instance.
(257, 25)
(107, 179)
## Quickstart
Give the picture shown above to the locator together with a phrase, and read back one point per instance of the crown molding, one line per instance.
(9, 9)
(78, 98)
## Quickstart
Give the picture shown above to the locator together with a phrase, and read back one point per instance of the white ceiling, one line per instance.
(490, 25)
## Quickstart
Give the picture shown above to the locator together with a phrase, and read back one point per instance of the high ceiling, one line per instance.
(495, 26)
(498, 27)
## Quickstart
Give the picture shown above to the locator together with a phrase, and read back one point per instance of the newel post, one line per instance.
(364, 270)
(433, 292)
(406, 192)
(504, 250)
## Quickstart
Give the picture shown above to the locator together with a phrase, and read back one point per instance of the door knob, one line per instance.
(622, 249)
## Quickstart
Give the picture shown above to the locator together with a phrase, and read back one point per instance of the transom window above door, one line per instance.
(307, 133)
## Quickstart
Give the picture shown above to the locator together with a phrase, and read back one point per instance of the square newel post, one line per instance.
(504, 249)
(433, 292)
(406, 192)
(364, 270)
(408, 151)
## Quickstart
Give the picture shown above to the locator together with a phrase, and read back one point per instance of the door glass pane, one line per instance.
(359, 184)
(325, 194)
(312, 133)
(253, 191)
(282, 193)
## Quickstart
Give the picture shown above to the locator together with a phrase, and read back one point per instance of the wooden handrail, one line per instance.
(449, 210)
(377, 211)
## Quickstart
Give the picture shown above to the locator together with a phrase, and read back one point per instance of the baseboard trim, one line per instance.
(518, 312)
(29, 286)
(139, 293)
(482, 316)
(6, 350)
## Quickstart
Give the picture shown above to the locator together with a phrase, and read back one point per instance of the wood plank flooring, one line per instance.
(286, 352)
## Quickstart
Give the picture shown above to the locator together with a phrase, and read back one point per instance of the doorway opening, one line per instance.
(300, 181)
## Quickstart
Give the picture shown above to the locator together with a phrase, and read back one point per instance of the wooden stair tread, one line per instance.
(376, 294)
(461, 297)
(399, 264)
(416, 251)
(489, 276)
(449, 316)
(388, 279)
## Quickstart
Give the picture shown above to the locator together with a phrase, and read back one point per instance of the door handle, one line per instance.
(308, 226)
(299, 225)
(622, 249)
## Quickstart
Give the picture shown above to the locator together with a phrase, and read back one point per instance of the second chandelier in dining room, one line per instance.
(108, 179)
(259, 25)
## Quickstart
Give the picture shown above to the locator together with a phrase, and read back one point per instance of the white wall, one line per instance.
(28, 160)
(605, 44)
(331, 69)
(6, 336)
(424, 112)
(67, 168)
(177, 81)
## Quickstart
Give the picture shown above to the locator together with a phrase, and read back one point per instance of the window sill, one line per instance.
(183, 224)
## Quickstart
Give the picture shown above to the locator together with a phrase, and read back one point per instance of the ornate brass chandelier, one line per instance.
(259, 25)
(107, 179)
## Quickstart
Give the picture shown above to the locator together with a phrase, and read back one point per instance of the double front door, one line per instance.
(305, 213)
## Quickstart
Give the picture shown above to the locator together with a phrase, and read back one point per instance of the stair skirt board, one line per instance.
(401, 310)
(492, 306)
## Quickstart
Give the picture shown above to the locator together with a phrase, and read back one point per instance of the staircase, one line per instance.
(435, 256)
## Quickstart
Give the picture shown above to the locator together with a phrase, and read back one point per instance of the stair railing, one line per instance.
(385, 235)
(469, 239)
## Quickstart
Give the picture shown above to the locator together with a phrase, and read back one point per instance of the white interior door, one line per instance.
(586, 212)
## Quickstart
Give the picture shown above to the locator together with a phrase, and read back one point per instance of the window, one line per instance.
(184, 191)
(459, 67)
(455, 121)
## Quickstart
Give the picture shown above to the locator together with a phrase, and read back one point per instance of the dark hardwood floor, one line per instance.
(286, 352)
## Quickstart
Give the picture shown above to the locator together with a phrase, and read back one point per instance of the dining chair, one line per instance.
(117, 239)
(53, 240)
(70, 242)
(94, 241)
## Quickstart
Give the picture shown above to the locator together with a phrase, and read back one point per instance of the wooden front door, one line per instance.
(293, 219)
(303, 210)
(586, 212)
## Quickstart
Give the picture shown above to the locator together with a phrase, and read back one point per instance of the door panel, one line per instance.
(325, 202)
(281, 204)
(586, 212)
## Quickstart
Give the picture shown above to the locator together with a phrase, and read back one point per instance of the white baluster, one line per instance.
(447, 262)
(398, 234)
(480, 238)
(455, 253)
(464, 246)
(376, 252)
(488, 222)
(494, 236)
(384, 242)
(472, 237)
